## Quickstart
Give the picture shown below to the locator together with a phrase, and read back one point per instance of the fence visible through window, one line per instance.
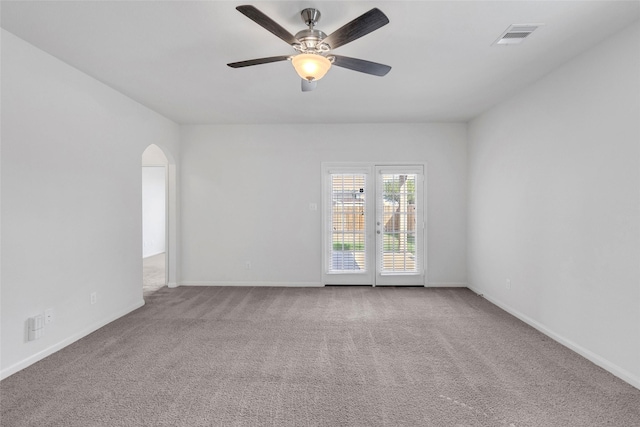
(397, 247)
(374, 222)
(348, 223)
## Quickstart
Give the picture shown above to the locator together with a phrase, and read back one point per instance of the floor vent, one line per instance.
(516, 34)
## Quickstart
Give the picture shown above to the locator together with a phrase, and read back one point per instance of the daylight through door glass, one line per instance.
(398, 243)
(348, 222)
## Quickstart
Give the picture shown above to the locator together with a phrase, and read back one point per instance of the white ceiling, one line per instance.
(171, 55)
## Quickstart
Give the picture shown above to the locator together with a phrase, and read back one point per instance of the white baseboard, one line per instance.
(70, 340)
(619, 372)
(273, 284)
(297, 284)
(446, 285)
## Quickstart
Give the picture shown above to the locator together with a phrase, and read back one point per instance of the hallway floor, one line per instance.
(153, 273)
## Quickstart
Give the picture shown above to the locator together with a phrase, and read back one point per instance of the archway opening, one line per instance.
(155, 225)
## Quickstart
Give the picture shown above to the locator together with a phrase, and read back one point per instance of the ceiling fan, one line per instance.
(315, 56)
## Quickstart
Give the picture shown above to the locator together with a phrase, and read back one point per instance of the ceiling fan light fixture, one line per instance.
(314, 48)
(310, 66)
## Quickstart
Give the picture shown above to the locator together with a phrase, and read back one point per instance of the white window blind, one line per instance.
(397, 231)
(347, 234)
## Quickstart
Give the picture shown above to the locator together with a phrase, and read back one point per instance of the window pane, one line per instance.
(398, 246)
(347, 223)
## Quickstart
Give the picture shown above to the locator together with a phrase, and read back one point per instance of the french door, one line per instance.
(373, 225)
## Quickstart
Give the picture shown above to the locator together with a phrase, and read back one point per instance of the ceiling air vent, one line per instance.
(516, 34)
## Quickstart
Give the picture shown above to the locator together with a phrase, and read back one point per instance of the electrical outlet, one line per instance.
(94, 297)
(48, 316)
(508, 284)
(247, 265)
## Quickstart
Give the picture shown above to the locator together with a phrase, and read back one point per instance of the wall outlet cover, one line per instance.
(48, 316)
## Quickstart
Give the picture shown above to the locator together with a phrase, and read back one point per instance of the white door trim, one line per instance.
(369, 277)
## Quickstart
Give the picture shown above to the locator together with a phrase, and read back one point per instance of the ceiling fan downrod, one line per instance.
(310, 17)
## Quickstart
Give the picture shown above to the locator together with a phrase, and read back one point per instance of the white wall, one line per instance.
(246, 190)
(153, 210)
(554, 198)
(71, 192)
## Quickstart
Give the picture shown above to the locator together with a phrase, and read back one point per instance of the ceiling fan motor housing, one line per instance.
(311, 41)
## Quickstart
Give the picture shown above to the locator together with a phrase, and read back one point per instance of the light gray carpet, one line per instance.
(153, 273)
(335, 356)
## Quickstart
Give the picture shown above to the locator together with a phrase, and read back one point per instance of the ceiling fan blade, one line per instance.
(361, 26)
(258, 61)
(267, 23)
(361, 65)
(308, 86)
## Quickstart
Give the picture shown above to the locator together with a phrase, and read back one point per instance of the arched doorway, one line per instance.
(158, 222)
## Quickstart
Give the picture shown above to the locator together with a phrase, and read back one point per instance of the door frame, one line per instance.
(407, 278)
(371, 192)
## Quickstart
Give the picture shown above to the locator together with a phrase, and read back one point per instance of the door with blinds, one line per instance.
(373, 225)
